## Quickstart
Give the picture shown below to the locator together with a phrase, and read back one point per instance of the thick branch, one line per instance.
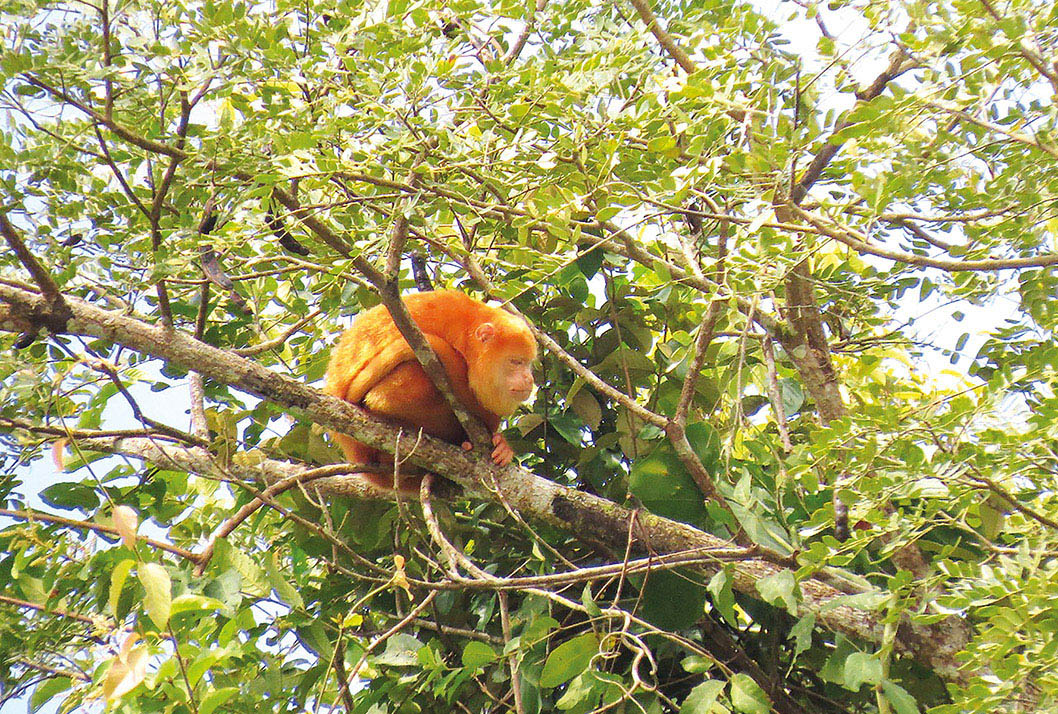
(566, 508)
(40, 276)
(897, 66)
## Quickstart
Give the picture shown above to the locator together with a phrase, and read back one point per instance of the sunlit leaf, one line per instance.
(157, 592)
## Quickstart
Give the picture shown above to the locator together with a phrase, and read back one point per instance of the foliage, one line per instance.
(797, 270)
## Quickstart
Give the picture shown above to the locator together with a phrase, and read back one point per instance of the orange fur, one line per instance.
(485, 351)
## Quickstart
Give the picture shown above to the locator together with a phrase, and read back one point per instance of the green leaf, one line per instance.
(538, 629)
(158, 592)
(665, 487)
(723, 598)
(761, 530)
(861, 601)
(834, 668)
(402, 650)
(861, 667)
(673, 599)
(69, 495)
(314, 637)
(702, 697)
(569, 659)
(801, 633)
(568, 428)
(705, 442)
(662, 144)
(254, 580)
(32, 588)
(216, 698)
(47, 689)
(477, 654)
(588, 601)
(28, 90)
(587, 409)
(792, 396)
(190, 602)
(903, 702)
(992, 519)
(225, 587)
(286, 592)
(780, 589)
(747, 696)
(579, 690)
(117, 582)
(695, 664)
(589, 262)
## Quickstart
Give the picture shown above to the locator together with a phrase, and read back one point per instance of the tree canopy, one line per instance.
(790, 265)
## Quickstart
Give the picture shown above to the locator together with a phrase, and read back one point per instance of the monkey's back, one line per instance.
(373, 347)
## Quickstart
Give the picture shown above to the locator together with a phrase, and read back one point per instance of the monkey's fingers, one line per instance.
(503, 454)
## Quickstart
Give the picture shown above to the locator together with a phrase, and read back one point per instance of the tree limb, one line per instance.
(577, 512)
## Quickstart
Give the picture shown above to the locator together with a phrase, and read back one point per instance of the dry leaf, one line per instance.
(128, 668)
(58, 457)
(125, 523)
(399, 577)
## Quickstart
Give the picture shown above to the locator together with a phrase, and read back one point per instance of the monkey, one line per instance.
(486, 352)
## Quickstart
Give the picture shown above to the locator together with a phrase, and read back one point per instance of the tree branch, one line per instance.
(859, 242)
(577, 512)
(40, 276)
(672, 47)
(123, 132)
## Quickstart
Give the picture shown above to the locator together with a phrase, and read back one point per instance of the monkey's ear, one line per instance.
(485, 332)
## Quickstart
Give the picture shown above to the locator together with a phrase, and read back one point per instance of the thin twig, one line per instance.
(860, 243)
(264, 497)
(505, 623)
(46, 610)
(102, 366)
(31, 516)
(125, 133)
(408, 619)
(775, 395)
(516, 48)
(279, 339)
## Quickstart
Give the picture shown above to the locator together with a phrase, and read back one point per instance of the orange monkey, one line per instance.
(486, 352)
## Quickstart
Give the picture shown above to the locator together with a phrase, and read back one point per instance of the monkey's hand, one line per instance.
(502, 453)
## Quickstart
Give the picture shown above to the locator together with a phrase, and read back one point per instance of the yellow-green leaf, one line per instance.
(158, 597)
(477, 654)
(117, 582)
(214, 699)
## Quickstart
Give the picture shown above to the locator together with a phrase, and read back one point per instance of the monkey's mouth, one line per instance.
(522, 394)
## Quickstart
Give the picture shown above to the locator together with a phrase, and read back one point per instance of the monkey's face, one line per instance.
(503, 380)
(500, 372)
